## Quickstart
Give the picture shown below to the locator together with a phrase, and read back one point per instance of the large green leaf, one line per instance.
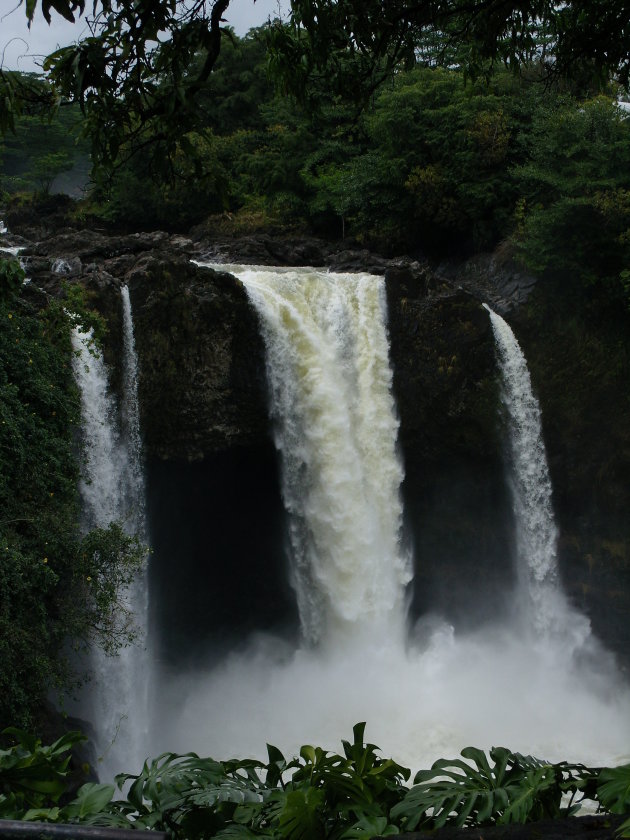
(613, 789)
(507, 787)
(301, 817)
(91, 799)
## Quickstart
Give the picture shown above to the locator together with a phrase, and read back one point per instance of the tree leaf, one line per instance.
(613, 789)
(300, 818)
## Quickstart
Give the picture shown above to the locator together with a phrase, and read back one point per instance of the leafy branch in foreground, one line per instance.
(613, 793)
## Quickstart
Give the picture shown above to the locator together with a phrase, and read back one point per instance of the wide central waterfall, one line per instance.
(426, 691)
(335, 428)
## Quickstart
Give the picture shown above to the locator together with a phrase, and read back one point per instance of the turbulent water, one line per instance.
(112, 489)
(424, 691)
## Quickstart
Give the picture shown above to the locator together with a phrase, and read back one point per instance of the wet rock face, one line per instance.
(458, 517)
(202, 383)
(203, 394)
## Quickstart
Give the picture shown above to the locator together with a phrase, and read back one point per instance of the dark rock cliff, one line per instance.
(456, 506)
(208, 443)
(202, 386)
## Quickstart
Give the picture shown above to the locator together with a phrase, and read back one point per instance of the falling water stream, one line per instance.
(541, 602)
(336, 428)
(424, 691)
(112, 490)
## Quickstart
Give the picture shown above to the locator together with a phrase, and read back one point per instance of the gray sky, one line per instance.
(21, 48)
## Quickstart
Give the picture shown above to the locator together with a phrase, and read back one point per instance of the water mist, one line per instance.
(425, 694)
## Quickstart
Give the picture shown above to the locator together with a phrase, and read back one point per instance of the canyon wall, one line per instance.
(214, 492)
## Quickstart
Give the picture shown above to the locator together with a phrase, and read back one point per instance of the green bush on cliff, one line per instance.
(57, 588)
(574, 217)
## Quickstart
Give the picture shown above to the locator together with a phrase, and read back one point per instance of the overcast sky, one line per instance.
(21, 48)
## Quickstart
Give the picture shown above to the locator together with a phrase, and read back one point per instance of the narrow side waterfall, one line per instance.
(135, 665)
(426, 694)
(103, 452)
(112, 489)
(336, 428)
(541, 601)
(130, 415)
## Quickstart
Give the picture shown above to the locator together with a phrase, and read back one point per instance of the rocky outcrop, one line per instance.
(494, 278)
(203, 398)
(202, 382)
(199, 345)
(457, 508)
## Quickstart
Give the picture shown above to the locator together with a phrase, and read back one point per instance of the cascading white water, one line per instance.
(540, 599)
(113, 490)
(104, 455)
(423, 697)
(60, 266)
(130, 416)
(135, 659)
(336, 428)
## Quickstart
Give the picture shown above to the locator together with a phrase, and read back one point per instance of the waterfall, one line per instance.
(130, 413)
(540, 598)
(103, 452)
(426, 694)
(135, 659)
(336, 429)
(112, 489)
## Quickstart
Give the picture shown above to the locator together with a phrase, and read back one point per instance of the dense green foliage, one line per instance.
(45, 141)
(575, 205)
(432, 165)
(318, 794)
(515, 788)
(139, 73)
(58, 589)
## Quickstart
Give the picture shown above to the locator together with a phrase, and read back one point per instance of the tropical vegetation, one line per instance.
(432, 164)
(317, 794)
(403, 132)
(59, 587)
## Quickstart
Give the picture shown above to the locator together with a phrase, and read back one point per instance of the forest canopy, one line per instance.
(139, 73)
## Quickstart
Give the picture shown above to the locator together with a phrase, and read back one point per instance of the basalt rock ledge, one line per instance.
(204, 400)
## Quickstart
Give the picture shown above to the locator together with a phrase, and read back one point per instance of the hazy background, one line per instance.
(23, 49)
